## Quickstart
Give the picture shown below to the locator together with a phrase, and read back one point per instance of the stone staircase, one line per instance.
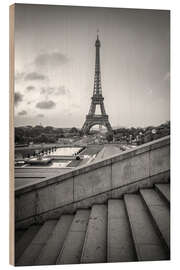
(135, 228)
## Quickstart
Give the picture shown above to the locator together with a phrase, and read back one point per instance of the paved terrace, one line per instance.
(32, 174)
(28, 176)
(107, 151)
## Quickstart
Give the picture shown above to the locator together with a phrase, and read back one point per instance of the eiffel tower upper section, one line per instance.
(97, 98)
(97, 77)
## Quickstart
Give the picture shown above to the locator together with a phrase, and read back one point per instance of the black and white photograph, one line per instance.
(91, 125)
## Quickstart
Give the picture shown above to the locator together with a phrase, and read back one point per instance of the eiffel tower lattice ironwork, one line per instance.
(97, 99)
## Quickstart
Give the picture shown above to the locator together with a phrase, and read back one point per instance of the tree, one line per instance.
(36, 131)
(59, 130)
(73, 130)
(19, 135)
(109, 137)
(48, 129)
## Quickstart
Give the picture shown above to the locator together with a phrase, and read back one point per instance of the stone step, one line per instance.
(53, 246)
(95, 246)
(32, 251)
(164, 191)
(25, 240)
(120, 244)
(146, 241)
(73, 244)
(160, 213)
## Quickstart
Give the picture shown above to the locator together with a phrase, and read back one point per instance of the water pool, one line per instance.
(65, 151)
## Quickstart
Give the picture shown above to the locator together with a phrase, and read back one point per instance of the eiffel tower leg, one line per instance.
(85, 128)
(92, 108)
(102, 108)
(108, 126)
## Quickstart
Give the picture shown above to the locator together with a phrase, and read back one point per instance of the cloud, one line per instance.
(34, 76)
(19, 76)
(18, 97)
(22, 113)
(46, 104)
(61, 90)
(47, 90)
(51, 59)
(30, 87)
(40, 115)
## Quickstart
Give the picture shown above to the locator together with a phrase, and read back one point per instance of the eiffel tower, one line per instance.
(97, 99)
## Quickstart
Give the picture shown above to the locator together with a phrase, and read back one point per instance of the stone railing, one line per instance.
(94, 183)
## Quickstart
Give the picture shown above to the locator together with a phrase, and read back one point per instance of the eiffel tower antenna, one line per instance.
(97, 98)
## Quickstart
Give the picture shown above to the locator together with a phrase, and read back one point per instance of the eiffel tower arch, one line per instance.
(93, 119)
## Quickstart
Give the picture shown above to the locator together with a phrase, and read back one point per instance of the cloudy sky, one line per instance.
(55, 57)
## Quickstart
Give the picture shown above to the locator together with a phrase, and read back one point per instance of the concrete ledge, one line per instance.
(68, 189)
(96, 199)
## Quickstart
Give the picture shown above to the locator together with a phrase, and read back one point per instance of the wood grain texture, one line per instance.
(11, 134)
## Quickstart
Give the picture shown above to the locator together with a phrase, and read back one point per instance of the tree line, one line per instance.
(39, 134)
(49, 134)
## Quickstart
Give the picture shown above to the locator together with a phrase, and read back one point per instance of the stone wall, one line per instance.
(94, 183)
